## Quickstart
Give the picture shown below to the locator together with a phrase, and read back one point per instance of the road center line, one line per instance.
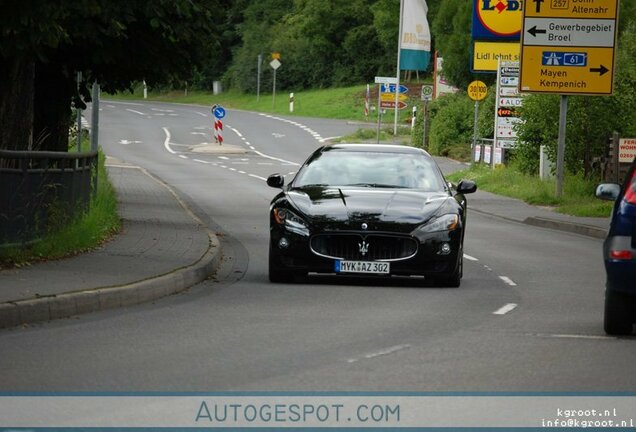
(136, 112)
(470, 258)
(383, 352)
(166, 143)
(507, 280)
(505, 309)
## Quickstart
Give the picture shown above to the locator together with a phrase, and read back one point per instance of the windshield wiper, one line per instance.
(377, 185)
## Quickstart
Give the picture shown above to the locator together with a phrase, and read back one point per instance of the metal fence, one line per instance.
(40, 191)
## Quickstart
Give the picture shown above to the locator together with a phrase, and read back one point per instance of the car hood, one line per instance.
(381, 209)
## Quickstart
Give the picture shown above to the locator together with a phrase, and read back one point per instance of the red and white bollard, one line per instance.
(218, 131)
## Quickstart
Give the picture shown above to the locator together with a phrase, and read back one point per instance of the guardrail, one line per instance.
(40, 191)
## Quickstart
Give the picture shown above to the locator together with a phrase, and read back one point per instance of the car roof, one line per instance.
(382, 148)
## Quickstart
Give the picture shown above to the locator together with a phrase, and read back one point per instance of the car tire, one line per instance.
(618, 319)
(277, 273)
(455, 279)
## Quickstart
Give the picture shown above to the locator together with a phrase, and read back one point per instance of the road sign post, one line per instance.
(274, 64)
(219, 113)
(567, 48)
(477, 91)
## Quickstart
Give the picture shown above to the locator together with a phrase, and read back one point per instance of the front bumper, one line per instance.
(428, 261)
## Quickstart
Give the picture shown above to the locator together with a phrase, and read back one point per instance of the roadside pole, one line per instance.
(563, 114)
(379, 112)
(426, 96)
(79, 116)
(397, 82)
(477, 91)
(274, 64)
(258, 77)
(95, 118)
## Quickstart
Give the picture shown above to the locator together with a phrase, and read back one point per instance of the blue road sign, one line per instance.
(390, 88)
(556, 58)
(219, 112)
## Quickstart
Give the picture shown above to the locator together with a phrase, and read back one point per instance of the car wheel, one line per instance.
(618, 319)
(277, 273)
(455, 279)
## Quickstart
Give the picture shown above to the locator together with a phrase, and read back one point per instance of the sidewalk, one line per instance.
(164, 248)
(518, 211)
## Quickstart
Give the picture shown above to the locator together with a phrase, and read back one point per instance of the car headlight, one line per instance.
(447, 222)
(291, 221)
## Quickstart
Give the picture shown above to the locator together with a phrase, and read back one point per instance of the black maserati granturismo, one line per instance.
(368, 210)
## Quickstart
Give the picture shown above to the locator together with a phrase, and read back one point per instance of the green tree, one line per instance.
(44, 43)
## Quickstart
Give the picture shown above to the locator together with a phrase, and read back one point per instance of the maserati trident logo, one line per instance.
(364, 247)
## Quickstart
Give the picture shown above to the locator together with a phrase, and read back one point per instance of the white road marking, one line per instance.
(258, 177)
(383, 352)
(470, 258)
(136, 112)
(126, 142)
(322, 140)
(505, 309)
(275, 158)
(166, 143)
(201, 161)
(507, 280)
(183, 157)
(573, 336)
(198, 133)
(224, 157)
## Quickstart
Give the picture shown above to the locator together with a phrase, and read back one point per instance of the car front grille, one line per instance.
(372, 247)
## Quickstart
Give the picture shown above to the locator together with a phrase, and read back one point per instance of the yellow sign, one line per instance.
(500, 17)
(275, 56)
(539, 78)
(603, 9)
(391, 97)
(486, 54)
(567, 47)
(477, 90)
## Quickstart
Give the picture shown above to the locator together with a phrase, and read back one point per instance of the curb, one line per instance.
(586, 230)
(574, 228)
(48, 308)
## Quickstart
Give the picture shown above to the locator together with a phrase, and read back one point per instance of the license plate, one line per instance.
(369, 267)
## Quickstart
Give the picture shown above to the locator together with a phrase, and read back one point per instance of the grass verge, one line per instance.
(578, 193)
(346, 103)
(85, 232)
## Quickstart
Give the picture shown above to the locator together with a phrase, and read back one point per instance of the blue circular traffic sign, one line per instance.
(218, 111)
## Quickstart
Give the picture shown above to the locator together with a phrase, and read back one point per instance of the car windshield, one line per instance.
(370, 169)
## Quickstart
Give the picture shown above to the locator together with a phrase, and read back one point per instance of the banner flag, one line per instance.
(415, 41)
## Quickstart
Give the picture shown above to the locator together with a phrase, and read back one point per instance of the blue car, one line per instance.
(619, 253)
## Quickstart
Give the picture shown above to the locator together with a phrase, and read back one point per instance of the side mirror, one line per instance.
(608, 191)
(466, 187)
(276, 181)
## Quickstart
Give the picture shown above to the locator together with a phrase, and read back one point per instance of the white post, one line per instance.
(414, 116)
(397, 84)
(291, 102)
(145, 90)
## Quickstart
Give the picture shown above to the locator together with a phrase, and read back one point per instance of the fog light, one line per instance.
(283, 243)
(445, 249)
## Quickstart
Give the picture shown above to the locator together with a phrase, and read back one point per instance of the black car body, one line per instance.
(367, 209)
(619, 253)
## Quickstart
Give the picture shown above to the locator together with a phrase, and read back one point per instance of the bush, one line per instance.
(451, 123)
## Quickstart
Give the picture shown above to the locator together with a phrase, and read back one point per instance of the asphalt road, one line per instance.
(528, 316)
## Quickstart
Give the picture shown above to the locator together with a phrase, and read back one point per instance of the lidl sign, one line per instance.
(497, 19)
